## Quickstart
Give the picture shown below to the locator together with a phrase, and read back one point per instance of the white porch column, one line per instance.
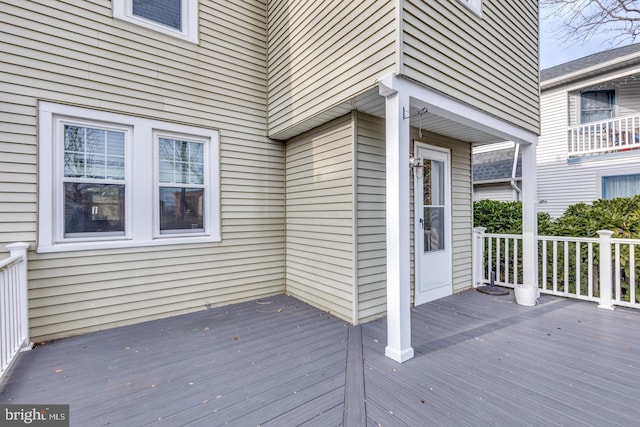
(398, 217)
(529, 215)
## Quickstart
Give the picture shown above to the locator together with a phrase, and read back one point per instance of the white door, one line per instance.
(433, 273)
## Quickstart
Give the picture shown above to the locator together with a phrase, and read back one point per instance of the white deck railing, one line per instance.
(602, 269)
(605, 136)
(14, 316)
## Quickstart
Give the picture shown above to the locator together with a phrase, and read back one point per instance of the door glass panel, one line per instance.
(433, 228)
(434, 209)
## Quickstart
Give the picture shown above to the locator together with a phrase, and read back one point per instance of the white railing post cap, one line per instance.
(605, 233)
(17, 246)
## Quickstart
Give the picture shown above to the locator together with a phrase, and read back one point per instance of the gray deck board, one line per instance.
(354, 394)
(480, 360)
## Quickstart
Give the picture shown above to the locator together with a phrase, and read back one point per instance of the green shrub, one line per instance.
(506, 217)
(621, 215)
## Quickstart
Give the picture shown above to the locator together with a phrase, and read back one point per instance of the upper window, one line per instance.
(92, 196)
(178, 18)
(597, 105)
(474, 5)
(620, 186)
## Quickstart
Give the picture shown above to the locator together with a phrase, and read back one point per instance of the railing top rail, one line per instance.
(8, 262)
(605, 121)
(569, 239)
(557, 238)
(503, 236)
(626, 241)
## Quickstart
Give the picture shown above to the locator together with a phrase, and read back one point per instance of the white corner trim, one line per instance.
(474, 6)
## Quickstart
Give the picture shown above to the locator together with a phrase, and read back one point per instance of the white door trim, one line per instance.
(418, 226)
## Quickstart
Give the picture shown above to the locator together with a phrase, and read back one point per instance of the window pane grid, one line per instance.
(93, 153)
(181, 162)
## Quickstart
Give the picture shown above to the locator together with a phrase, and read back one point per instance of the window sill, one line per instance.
(123, 244)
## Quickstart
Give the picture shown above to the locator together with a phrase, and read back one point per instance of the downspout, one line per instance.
(513, 172)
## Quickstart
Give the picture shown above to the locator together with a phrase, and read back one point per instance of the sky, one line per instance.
(555, 50)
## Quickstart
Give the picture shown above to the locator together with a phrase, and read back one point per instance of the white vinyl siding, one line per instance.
(562, 183)
(324, 53)
(371, 213)
(499, 191)
(489, 62)
(76, 53)
(319, 205)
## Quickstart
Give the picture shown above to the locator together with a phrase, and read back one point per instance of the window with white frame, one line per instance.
(181, 189)
(474, 5)
(93, 179)
(620, 186)
(597, 105)
(178, 18)
(91, 196)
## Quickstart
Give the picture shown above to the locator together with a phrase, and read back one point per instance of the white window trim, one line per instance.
(57, 191)
(614, 106)
(123, 9)
(157, 234)
(140, 180)
(474, 6)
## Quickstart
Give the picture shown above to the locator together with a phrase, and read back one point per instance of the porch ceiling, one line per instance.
(370, 102)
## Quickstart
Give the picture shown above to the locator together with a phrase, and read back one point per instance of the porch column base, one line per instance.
(399, 355)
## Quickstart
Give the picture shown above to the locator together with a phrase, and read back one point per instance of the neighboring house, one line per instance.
(162, 161)
(497, 172)
(590, 118)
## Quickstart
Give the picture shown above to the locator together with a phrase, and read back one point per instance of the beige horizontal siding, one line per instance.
(323, 53)
(490, 63)
(371, 212)
(319, 206)
(75, 52)
(501, 192)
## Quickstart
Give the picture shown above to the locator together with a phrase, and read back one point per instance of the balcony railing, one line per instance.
(605, 136)
(14, 316)
(603, 269)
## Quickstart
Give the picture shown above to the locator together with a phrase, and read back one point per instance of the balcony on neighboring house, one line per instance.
(604, 117)
(605, 136)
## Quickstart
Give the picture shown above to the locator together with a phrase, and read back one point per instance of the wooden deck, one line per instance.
(480, 360)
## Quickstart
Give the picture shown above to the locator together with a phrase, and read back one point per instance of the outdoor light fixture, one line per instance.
(417, 166)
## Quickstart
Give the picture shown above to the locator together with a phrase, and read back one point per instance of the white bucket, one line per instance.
(526, 295)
